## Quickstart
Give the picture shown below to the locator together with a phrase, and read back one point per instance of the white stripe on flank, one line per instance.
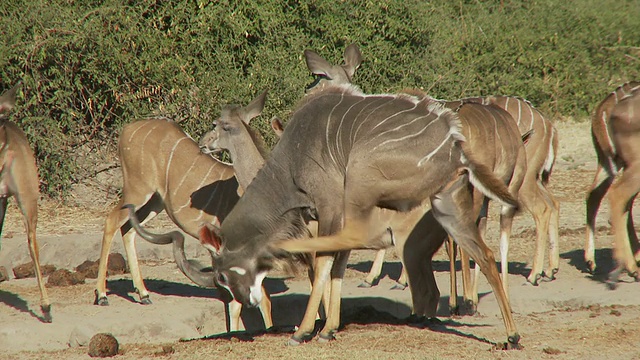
(328, 128)
(186, 174)
(404, 137)
(367, 118)
(605, 122)
(339, 132)
(167, 172)
(399, 112)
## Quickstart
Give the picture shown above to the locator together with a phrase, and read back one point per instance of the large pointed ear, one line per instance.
(352, 59)
(276, 126)
(209, 238)
(316, 64)
(8, 99)
(255, 107)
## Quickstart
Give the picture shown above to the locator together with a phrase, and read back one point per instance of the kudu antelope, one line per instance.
(624, 131)
(339, 158)
(19, 178)
(610, 162)
(163, 169)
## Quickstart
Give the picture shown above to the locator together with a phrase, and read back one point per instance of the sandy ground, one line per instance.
(573, 317)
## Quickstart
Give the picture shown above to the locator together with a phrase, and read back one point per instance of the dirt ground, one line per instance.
(573, 317)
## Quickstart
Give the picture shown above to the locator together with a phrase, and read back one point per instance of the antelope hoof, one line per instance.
(398, 286)
(46, 313)
(454, 311)
(513, 343)
(432, 323)
(365, 284)
(296, 340)
(551, 274)
(145, 300)
(591, 267)
(471, 307)
(415, 320)
(534, 279)
(100, 300)
(325, 338)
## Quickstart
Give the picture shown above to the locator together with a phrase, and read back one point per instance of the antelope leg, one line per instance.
(452, 207)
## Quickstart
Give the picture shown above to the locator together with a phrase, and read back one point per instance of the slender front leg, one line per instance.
(45, 304)
(622, 193)
(452, 208)
(333, 317)
(322, 268)
(453, 285)
(599, 188)
(376, 270)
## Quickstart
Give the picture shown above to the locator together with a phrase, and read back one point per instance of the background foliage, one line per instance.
(90, 66)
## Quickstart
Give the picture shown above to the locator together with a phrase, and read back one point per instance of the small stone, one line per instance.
(64, 277)
(89, 269)
(103, 345)
(116, 264)
(24, 271)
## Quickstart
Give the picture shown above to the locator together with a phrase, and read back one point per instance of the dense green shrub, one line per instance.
(88, 67)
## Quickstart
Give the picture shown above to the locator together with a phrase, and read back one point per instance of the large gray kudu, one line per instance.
(19, 178)
(624, 129)
(338, 158)
(610, 162)
(163, 169)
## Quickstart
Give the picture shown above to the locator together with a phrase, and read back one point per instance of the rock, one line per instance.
(27, 270)
(89, 269)
(103, 345)
(64, 277)
(116, 264)
(24, 271)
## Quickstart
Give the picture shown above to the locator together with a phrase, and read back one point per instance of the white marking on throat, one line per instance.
(255, 290)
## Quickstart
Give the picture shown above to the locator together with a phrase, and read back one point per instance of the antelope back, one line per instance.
(492, 136)
(20, 175)
(157, 156)
(625, 119)
(600, 122)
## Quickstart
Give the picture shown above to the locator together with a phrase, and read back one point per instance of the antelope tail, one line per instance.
(551, 157)
(482, 178)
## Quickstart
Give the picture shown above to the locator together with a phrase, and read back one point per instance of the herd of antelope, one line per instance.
(350, 171)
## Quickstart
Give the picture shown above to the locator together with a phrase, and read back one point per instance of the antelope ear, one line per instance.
(316, 64)
(8, 99)
(276, 126)
(352, 59)
(209, 238)
(255, 107)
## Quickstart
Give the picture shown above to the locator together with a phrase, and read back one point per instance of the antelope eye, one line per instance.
(223, 279)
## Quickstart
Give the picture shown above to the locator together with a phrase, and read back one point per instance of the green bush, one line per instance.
(88, 67)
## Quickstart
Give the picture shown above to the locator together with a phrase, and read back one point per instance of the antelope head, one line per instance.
(331, 75)
(233, 120)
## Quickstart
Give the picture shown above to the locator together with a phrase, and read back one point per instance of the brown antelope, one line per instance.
(163, 169)
(338, 158)
(19, 178)
(609, 160)
(624, 130)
